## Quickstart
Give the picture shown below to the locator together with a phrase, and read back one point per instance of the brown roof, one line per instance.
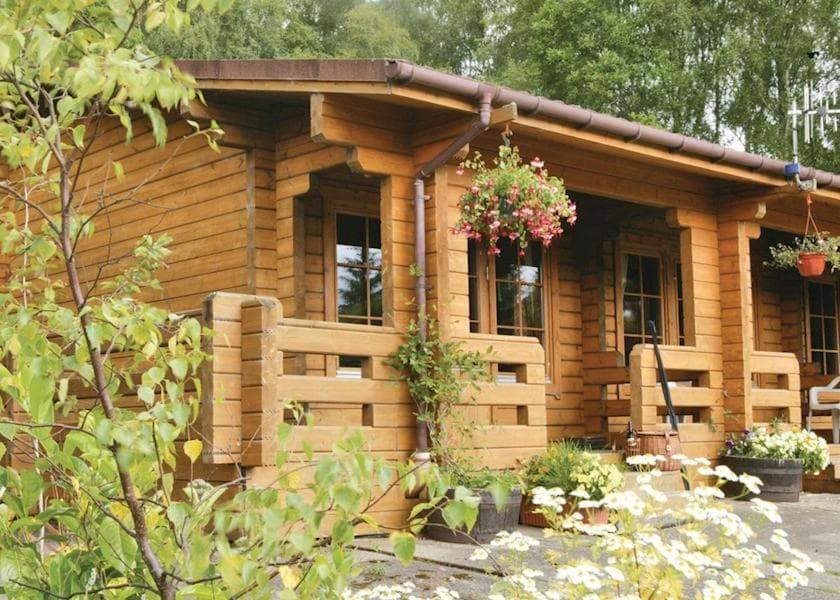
(398, 72)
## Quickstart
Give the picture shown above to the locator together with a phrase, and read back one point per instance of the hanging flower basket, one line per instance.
(512, 200)
(809, 255)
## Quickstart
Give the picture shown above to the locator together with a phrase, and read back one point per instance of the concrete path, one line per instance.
(813, 526)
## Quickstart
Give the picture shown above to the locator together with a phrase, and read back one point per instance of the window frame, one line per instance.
(807, 316)
(668, 261)
(486, 303)
(369, 319)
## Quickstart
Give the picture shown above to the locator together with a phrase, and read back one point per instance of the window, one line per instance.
(358, 270)
(642, 299)
(519, 291)
(822, 326)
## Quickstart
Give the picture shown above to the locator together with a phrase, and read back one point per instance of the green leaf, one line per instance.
(193, 449)
(500, 492)
(404, 545)
(59, 21)
(146, 394)
(154, 18)
(179, 367)
(5, 54)
(79, 136)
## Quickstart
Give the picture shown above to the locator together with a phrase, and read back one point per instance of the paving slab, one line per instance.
(813, 526)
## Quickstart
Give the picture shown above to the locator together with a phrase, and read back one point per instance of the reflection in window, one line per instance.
(359, 270)
(822, 326)
(519, 291)
(641, 287)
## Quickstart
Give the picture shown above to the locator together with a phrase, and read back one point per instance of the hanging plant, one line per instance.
(513, 200)
(809, 254)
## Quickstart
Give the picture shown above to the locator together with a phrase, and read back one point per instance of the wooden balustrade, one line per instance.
(249, 382)
(782, 402)
(696, 381)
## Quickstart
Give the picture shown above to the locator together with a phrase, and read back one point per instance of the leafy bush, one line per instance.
(437, 373)
(104, 386)
(758, 442)
(567, 466)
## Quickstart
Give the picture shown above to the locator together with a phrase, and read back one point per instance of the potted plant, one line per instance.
(513, 200)
(580, 475)
(809, 254)
(498, 498)
(777, 458)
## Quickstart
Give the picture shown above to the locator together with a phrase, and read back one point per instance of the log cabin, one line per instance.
(297, 242)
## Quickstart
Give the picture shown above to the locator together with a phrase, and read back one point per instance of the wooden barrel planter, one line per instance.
(529, 516)
(488, 523)
(782, 478)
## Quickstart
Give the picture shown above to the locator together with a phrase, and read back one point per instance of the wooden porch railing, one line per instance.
(782, 402)
(697, 381)
(247, 384)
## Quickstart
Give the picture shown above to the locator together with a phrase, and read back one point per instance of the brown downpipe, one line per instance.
(479, 125)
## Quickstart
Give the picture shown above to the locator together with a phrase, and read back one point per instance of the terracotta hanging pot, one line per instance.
(811, 264)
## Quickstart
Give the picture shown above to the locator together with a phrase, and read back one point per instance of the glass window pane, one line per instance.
(352, 292)
(830, 363)
(506, 261)
(374, 243)
(506, 331)
(531, 264)
(375, 293)
(816, 333)
(817, 357)
(650, 275)
(653, 312)
(350, 362)
(632, 274)
(814, 299)
(350, 234)
(532, 306)
(830, 334)
(629, 342)
(632, 315)
(505, 304)
(829, 300)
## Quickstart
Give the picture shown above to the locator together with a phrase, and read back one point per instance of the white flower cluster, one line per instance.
(806, 446)
(513, 541)
(712, 550)
(400, 591)
(552, 498)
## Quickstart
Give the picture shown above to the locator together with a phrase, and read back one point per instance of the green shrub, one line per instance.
(567, 466)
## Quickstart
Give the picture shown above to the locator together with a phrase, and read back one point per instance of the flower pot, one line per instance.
(488, 523)
(811, 264)
(782, 478)
(529, 516)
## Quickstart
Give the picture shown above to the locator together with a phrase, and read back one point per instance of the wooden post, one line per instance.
(735, 230)
(262, 365)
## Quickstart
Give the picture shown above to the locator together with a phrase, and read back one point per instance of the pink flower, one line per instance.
(460, 170)
(537, 163)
